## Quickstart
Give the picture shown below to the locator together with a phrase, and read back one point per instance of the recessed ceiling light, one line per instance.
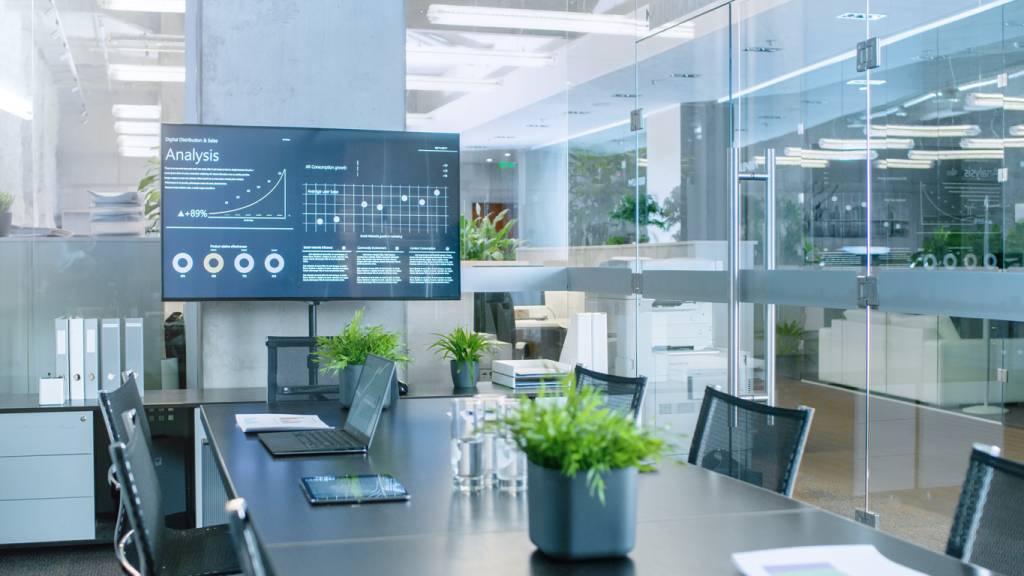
(624, 95)
(577, 112)
(504, 137)
(507, 154)
(685, 75)
(538, 125)
(762, 49)
(489, 160)
(861, 16)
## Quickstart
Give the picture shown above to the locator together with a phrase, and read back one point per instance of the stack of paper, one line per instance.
(528, 374)
(277, 422)
(116, 214)
(856, 560)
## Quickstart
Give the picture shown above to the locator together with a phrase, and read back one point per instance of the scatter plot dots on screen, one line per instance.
(319, 221)
(423, 202)
(380, 207)
(364, 204)
(437, 192)
(337, 219)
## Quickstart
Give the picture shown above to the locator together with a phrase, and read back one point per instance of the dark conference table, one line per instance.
(689, 520)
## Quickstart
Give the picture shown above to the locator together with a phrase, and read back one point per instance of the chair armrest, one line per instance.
(122, 557)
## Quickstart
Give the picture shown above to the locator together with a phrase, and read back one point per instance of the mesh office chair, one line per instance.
(247, 544)
(163, 551)
(622, 393)
(123, 411)
(988, 528)
(759, 444)
(292, 369)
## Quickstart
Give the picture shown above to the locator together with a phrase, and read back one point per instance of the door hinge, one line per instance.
(867, 291)
(636, 120)
(867, 517)
(638, 283)
(868, 56)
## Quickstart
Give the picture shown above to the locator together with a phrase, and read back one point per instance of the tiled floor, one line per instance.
(918, 458)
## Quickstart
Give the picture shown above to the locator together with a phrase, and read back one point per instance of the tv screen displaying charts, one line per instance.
(256, 213)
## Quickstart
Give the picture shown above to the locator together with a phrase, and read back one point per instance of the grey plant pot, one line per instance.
(5, 223)
(566, 522)
(465, 374)
(348, 380)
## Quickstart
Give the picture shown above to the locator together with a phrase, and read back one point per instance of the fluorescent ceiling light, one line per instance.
(1017, 130)
(861, 144)
(852, 54)
(445, 84)
(841, 155)
(550, 20)
(991, 143)
(865, 82)
(137, 128)
(921, 99)
(985, 101)
(136, 111)
(135, 141)
(924, 131)
(903, 163)
(143, 152)
(955, 154)
(16, 105)
(455, 56)
(172, 6)
(793, 161)
(146, 73)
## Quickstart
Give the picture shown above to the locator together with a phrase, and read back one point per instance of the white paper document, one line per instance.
(277, 422)
(856, 560)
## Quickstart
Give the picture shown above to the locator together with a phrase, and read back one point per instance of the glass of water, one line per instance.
(510, 460)
(467, 445)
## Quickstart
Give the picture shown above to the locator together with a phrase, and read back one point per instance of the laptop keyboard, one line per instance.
(326, 439)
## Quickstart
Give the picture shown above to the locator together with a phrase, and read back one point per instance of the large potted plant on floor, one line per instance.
(6, 201)
(345, 354)
(583, 463)
(464, 349)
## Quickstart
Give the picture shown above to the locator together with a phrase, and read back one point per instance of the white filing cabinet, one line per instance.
(46, 477)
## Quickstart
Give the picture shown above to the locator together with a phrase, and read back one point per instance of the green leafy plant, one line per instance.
(582, 435)
(462, 345)
(788, 337)
(486, 238)
(6, 201)
(355, 342)
(149, 189)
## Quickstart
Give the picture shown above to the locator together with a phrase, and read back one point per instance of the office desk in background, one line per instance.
(689, 520)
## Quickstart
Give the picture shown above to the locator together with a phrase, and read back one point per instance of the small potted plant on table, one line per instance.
(582, 473)
(346, 353)
(464, 349)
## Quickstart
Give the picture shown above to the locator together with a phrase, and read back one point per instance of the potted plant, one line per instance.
(345, 354)
(6, 201)
(789, 338)
(486, 238)
(149, 188)
(583, 461)
(464, 349)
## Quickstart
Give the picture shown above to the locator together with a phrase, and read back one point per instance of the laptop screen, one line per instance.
(369, 399)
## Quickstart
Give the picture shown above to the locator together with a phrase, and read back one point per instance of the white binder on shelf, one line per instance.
(76, 358)
(586, 342)
(62, 366)
(91, 374)
(133, 351)
(110, 353)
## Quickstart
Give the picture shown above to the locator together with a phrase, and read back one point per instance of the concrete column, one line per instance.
(317, 63)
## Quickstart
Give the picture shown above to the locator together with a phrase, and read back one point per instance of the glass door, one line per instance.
(681, 206)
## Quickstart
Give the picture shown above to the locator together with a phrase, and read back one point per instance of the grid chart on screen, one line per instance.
(375, 208)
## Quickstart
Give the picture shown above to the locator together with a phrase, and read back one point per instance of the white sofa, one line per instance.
(921, 358)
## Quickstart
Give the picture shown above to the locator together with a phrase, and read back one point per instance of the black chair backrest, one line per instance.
(495, 313)
(248, 546)
(988, 527)
(123, 410)
(292, 371)
(623, 394)
(143, 500)
(750, 441)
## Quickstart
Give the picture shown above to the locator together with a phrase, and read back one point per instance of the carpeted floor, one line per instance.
(64, 561)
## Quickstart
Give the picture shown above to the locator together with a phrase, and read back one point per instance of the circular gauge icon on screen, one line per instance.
(274, 263)
(181, 263)
(244, 263)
